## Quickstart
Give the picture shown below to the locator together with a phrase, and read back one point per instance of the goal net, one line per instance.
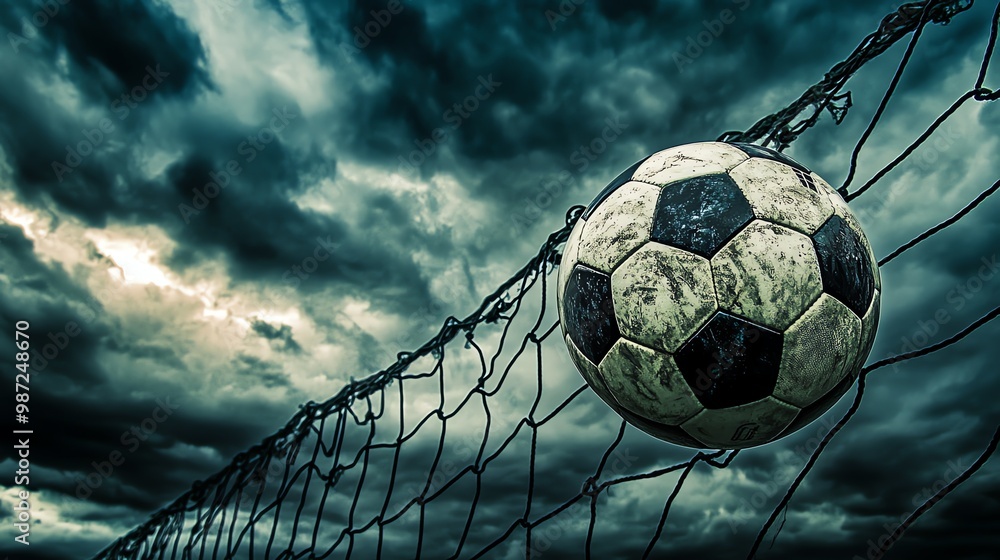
(485, 442)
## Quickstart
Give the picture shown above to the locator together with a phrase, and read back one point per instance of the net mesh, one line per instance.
(372, 470)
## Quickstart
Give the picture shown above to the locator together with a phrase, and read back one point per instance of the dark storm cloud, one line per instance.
(110, 44)
(253, 225)
(74, 337)
(113, 48)
(561, 77)
(63, 309)
(544, 84)
(140, 452)
(282, 334)
(247, 217)
(252, 221)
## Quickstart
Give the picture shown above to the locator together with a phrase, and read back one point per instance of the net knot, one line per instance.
(590, 487)
(985, 94)
(309, 408)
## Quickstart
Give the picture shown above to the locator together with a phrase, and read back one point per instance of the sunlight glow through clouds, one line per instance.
(137, 263)
(134, 262)
(20, 217)
(135, 255)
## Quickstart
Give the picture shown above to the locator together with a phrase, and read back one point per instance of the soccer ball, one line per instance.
(718, 295)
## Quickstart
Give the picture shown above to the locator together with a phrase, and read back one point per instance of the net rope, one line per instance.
(329, 482)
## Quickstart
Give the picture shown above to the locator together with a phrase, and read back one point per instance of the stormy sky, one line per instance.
(214, 211)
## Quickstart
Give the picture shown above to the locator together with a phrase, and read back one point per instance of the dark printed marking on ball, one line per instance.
(807, 181)
(845, 266)
(745, 432)
(589, 312)
(621, 179)
(754, 150)
(700, 214)
(731, 361)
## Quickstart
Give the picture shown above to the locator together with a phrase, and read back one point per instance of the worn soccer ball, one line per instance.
(719, 295)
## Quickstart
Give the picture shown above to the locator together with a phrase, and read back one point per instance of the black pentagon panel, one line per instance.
(845, 266)
(731, 361)
(754, 150)
(621, 179)
(665, 432)
(589, 312)
(824, 403)
(700, 214)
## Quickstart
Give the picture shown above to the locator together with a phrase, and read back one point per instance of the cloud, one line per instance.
(305, 189)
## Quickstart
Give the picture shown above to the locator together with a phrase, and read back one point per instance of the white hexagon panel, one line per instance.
(619, 226)
(768, 273)
(662, 295)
